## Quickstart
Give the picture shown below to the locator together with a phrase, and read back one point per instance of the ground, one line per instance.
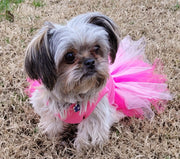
(157, 21)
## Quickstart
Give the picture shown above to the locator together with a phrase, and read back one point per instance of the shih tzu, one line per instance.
(70, 65)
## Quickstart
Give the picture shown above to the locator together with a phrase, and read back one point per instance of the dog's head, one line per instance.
(73, 59)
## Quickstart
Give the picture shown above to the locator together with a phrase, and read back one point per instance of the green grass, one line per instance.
(8, 4)
(32, 29)
(6, 7)
(176, 7)
(38, 3)
(36, 129)
(7, 40)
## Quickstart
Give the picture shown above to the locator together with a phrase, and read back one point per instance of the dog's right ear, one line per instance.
(39, 59)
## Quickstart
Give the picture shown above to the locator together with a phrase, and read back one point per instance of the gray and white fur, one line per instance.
(72, 63)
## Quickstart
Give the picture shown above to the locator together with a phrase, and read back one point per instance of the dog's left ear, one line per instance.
(111, 29)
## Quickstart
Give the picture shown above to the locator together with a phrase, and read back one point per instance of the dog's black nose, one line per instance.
(89, 63)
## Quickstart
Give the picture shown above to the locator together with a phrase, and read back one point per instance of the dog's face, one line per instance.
(73, 59)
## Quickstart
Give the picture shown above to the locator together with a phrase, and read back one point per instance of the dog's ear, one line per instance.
(39, 59)
(111, 29)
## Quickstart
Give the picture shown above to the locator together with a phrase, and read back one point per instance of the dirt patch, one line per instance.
(158, 21)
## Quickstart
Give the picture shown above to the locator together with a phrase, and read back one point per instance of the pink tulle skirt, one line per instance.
(138, 84)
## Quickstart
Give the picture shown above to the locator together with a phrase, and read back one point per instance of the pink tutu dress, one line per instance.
(134, 85)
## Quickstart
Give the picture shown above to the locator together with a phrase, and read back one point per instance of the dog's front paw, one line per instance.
(90, 135)
(50, 126)
(91, 140)
(81, 143)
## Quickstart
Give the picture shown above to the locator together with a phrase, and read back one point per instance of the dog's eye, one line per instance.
(69, 57)
(96, 48)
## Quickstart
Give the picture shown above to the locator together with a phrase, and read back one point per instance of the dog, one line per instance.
(70, 64)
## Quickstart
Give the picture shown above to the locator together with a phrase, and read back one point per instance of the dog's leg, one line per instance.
(95, 129)
(49, 123)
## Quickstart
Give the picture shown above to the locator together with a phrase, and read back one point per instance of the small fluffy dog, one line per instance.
(74, 82)
(72, 63)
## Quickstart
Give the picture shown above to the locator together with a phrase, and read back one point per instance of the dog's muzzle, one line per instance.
(90, 66)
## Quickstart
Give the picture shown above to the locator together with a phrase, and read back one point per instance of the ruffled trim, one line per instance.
(138, 85)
